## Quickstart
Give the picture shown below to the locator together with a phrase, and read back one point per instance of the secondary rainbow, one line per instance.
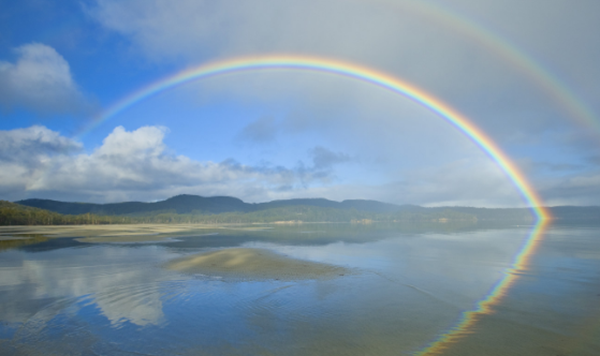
(508, 51)
(398, 86)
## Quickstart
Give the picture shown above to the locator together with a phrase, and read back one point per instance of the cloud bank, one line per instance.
(40, 80)
(138, 165)
(432, 44)
(435, 46)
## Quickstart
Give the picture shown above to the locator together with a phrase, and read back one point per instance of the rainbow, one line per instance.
(483, 307)
(508, 51)
(395, 85)
(346, 69)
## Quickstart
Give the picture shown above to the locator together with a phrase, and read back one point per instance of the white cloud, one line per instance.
(40, 80)
(26, 153)
(423, 44)
(129, 165)
(21, 144)
(137, 165)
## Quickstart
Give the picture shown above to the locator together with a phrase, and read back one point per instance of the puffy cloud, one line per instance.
(37, 162)
(27, 143)
(145, 141)
(26, 153)
(40, 80)
(137, 165)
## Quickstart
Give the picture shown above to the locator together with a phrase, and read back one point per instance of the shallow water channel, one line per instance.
(404, 290)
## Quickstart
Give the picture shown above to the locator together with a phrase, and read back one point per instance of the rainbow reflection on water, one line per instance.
(469, 318)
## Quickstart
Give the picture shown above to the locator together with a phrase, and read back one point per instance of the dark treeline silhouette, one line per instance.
(17, 214)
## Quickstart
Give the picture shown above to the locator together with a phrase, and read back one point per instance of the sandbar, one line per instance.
(118, 233)
(254, 264)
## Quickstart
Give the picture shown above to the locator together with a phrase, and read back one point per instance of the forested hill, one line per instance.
(16, 214)
(197, 209)
(181, 204)
(186, 204)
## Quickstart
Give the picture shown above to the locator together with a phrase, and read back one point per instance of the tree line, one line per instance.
(15, 214)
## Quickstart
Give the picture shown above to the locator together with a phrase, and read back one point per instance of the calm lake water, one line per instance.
(409, 289)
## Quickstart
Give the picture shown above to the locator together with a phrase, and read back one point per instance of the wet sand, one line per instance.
(254, 264)
(115, 233)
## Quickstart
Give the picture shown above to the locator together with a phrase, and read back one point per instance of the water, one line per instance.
(410, 286)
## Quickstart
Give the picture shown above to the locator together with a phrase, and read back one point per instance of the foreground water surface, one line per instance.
(407, 294)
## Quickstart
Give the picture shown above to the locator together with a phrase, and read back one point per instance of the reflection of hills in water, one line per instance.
(51, 244)
(21, 240)
(206, 237)
(325, 233)
(412, 286)
(122, 283)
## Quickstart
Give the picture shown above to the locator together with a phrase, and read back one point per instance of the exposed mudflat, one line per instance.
(116, 233)
(254, 264)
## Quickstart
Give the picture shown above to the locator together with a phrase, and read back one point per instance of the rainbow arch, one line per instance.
(346, 69)
(407, 90)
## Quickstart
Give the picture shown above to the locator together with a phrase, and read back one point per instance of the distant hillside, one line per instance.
(558, 213)
(371, 206)
(574, 213)
(282, 212)
(197, 209)
(16, 214)
(186, 204)
(181, 204)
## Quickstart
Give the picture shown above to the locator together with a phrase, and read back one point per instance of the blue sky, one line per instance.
(282, 134)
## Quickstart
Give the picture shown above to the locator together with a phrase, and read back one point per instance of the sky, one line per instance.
(525, 73)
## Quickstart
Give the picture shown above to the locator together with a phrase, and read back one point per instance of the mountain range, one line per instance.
(187, 204)
(193, 204)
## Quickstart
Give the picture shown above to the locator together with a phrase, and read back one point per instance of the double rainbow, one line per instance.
(395, 85)
(502, 48)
